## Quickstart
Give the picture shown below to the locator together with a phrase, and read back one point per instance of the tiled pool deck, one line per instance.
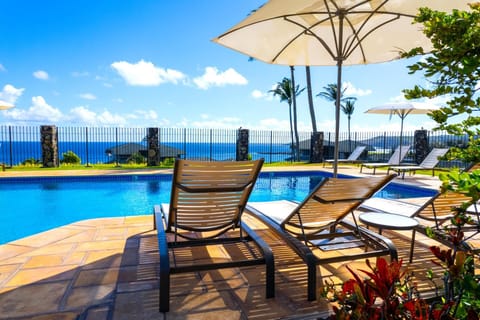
(108, 269)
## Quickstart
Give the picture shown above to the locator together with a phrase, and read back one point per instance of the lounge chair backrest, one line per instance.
(432, 158)
(398, 155)
(356, 153)
(210, 196)
(439, 208)
(331, 201)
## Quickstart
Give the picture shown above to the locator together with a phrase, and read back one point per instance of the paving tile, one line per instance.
(82, 297)
(47, 237)
(96, 277)
(29, 276)
(44, 261)
(11, 250)
(32, 299)
(101, 245)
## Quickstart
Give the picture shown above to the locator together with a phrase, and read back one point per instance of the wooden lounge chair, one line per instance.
(395, 159)
(205, 209)
(434, 216)
(429, 163)
(352, 158)
(319, 224)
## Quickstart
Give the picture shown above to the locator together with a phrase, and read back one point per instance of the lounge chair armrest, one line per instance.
(164, 260)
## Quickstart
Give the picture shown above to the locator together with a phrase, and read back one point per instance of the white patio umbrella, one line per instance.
(403, 109)
(5, 105)
(332, 32)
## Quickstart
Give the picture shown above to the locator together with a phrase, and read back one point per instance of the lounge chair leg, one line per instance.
(412, 245)
(311, 278)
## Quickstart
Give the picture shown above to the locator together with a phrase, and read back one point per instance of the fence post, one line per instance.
(49, 141)
(420, 141)
(316, 147)
(242, 144)
(153, 153)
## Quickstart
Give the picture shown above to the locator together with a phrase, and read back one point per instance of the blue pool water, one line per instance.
(33, 205)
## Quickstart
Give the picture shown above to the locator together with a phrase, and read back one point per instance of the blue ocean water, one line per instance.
(16, 152)
(33, 205)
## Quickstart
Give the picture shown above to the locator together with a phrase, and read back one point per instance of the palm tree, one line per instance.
(330, 94)
(310, 99)
(348, 108)
(284, 90)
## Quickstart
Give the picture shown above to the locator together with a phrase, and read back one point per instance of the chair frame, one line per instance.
(433, 215)
(166, 223)
(352, 158)
(395, 159)
(429, 163)
(301, 242)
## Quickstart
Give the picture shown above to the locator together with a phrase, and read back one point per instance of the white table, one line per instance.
(390, 221)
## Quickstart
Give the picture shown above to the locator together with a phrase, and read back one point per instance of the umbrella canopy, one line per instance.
(5, 105)
(332, 32)
(403, 109)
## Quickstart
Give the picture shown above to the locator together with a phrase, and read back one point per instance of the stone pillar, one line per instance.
(49, 141)
(242, 144)
(420, 141)
(316, 147)
(153, 149)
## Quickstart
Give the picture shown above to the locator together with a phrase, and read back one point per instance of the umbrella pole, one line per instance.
(401, 138)
(337, 117)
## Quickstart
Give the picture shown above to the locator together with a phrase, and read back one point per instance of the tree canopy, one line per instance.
(452, 69)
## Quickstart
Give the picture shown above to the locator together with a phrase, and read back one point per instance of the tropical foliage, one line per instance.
(285, 91)
(453, 72)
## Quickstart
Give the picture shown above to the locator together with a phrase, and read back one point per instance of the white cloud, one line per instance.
(352, 91)
(10, 94)
(88, 96)
(212, 77)
(40, 74)
(40, 110)
(85, 116)
(257, 94)
(145, 73)
(2, 68)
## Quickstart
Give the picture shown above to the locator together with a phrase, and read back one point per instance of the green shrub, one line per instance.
(30, 162)
(70, 157)
(136, 158)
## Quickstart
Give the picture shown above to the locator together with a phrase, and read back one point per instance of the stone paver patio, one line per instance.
(108, 269)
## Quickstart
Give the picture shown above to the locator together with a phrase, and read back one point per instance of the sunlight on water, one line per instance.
(32, 205)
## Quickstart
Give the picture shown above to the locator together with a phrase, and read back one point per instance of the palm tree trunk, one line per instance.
(349, 136)
(295, 129)
(292, 143)
(310, 99)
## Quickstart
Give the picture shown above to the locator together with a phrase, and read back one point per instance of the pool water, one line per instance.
(33, 205)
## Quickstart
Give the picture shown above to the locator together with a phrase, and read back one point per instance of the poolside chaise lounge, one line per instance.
(318, 229)
(433, 216)
(429, 163)
(395, 159)
(205, 209)
(352, 158)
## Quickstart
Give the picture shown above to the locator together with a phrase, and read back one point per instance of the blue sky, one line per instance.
(133, 63)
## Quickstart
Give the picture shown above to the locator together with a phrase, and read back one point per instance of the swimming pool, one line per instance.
(32, 205)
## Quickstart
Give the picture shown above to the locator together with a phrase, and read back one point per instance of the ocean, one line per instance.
(16, 152)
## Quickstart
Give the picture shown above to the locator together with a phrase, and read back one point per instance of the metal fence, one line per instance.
(20, 145)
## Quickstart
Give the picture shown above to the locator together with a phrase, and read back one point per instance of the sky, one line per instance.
(146, 63)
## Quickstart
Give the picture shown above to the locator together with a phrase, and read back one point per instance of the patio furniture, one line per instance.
(433, 216)
(318, 229)
(352, 158)
(206, 206)
(395, 159)
(390, 221)
(429, 163)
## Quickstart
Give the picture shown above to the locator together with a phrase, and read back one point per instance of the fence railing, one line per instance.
(94, 145)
